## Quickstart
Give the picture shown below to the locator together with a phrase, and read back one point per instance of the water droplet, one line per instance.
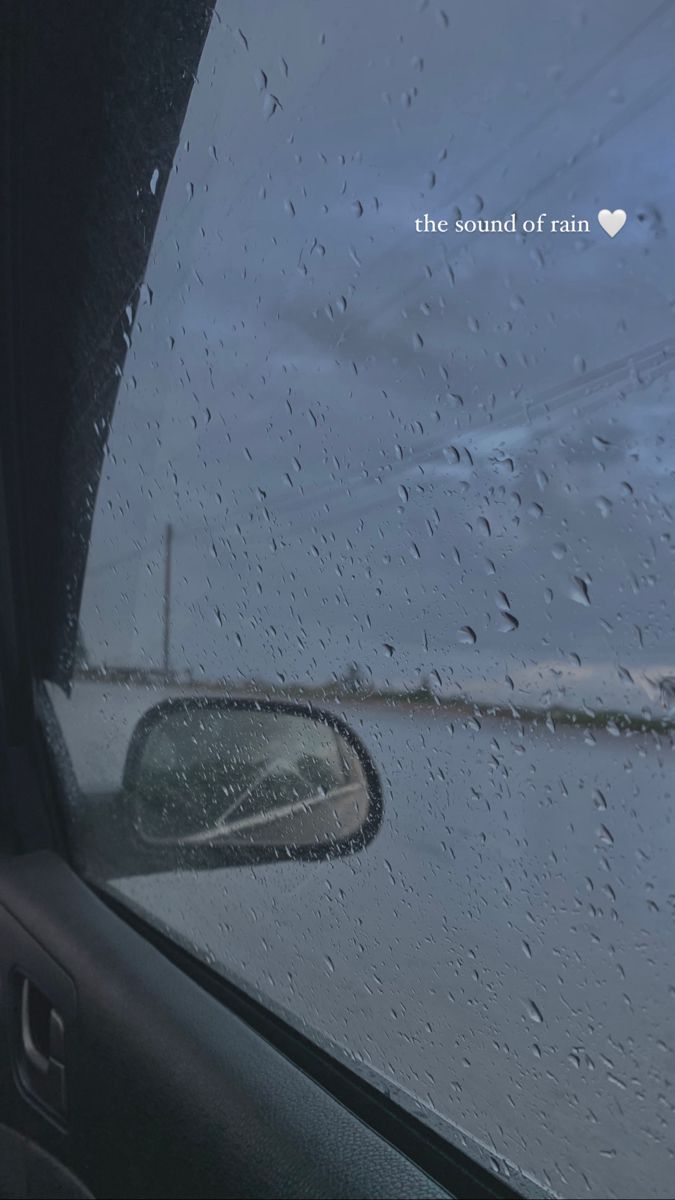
(270, 105)
(467, 636)
(579, 591)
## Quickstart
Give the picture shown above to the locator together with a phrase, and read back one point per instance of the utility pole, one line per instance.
(168, 543)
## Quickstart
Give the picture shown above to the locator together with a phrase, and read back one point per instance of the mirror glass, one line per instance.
(216, 774)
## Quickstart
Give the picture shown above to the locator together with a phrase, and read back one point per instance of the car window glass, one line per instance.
(425, 481)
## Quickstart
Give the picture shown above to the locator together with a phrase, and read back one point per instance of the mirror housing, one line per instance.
(217, 781)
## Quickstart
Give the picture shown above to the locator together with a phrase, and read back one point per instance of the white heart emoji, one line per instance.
(612, 222)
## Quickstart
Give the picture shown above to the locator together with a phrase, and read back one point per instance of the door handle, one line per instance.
(41, 1057)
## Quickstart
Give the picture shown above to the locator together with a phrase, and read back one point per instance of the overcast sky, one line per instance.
(369, 440)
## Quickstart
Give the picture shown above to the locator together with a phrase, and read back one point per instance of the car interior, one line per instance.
(229, 808)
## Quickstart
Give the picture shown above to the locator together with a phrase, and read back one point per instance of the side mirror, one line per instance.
(210, 782)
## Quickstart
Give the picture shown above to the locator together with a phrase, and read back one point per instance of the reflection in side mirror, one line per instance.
(213, 781)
